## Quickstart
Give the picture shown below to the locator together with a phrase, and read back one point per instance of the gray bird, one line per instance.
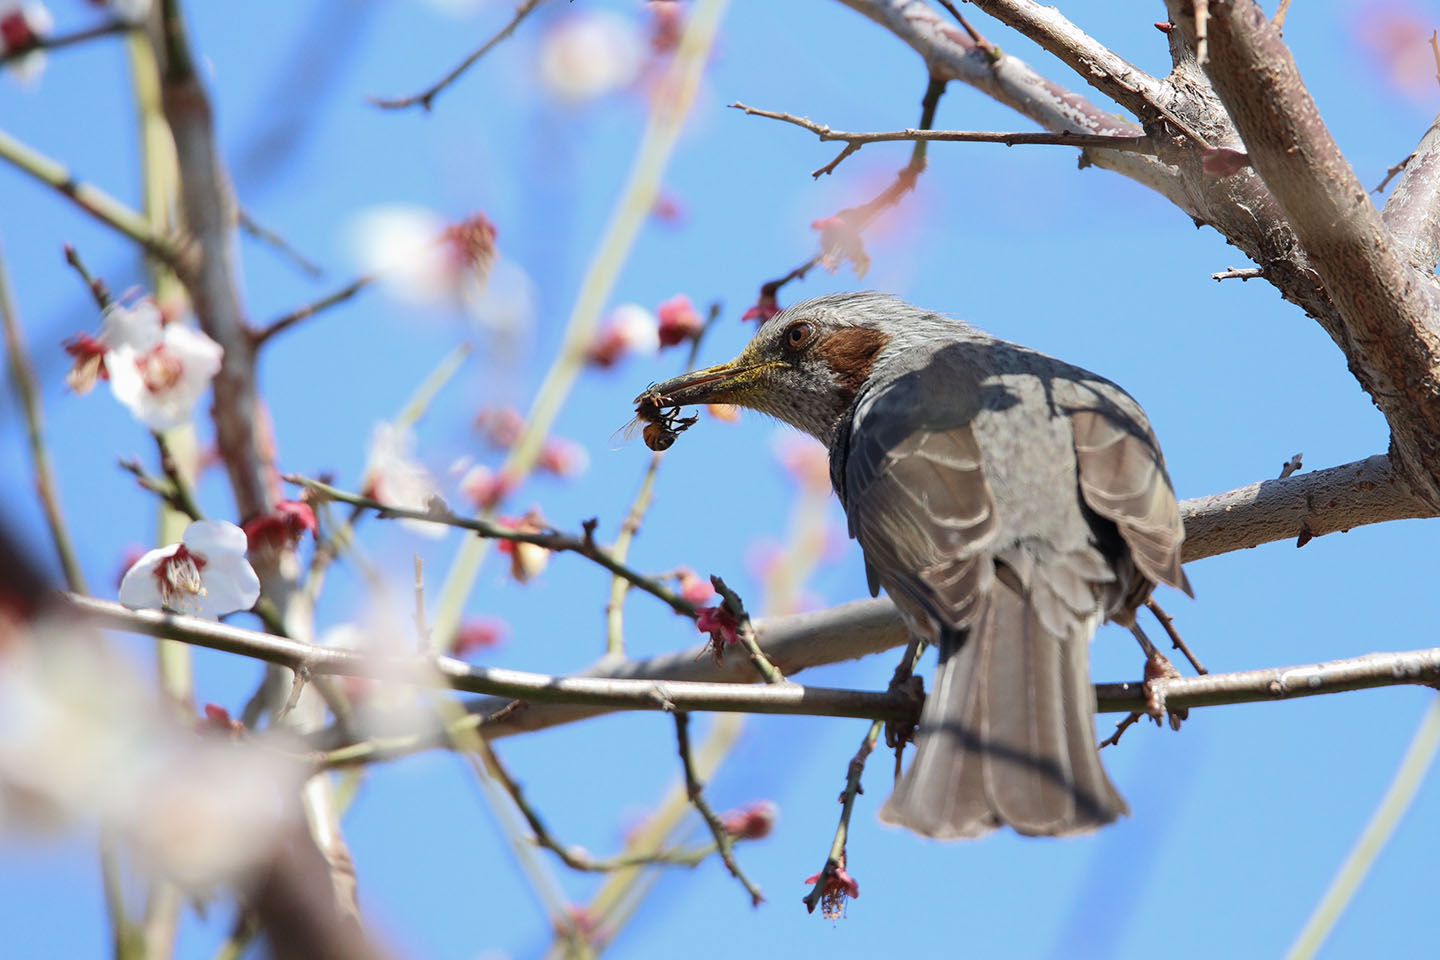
(1008, 502)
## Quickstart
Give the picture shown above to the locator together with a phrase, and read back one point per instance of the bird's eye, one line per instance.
(798, 334)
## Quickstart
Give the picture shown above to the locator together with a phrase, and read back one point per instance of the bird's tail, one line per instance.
(1007, 735)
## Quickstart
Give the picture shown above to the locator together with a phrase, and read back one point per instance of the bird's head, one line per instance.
(805, 364)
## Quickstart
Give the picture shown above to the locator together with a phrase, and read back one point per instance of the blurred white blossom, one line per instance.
(21, 26)
(83, 739)
(158, 371)
(590, 53)
(394, 477)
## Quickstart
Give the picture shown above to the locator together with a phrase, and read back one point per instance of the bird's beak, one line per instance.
(732, 382)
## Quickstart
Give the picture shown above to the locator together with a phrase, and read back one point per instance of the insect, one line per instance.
(662, 426)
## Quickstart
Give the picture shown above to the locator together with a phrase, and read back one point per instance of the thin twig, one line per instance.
(91, 199)
(160, 486)
(577, 858)
(426, 96)
(1238, 273)
(745, 632)
(1120, 728)
(22, 379)
(693, 787)
(826, 889)
(288, 320)
(98, 291)
(276, 242)
(184, 497)
(854, 140)
(1167, 623)
(297, 686)
(985, 46)
(60, 40)
(1290, 466)
(1280, 12)
(550, 539)
(632, 210)
(1393, 172)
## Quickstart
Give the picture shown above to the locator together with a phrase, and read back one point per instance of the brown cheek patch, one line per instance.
(850, 354)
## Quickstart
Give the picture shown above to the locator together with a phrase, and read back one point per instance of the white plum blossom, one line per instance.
(204, 575)
(21, 25)
(629, 329)
(590, 53)
(157, 371)
(395, 478)
(423, 260)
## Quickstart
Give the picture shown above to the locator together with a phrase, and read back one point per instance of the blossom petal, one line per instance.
(230, 585)
(140, 588)
(213, 539)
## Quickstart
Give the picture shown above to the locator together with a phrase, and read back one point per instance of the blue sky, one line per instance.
(1238, 821)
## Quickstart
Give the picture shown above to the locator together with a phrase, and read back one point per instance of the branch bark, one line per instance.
(1386, 306)
(1412, 214)
(210, 216)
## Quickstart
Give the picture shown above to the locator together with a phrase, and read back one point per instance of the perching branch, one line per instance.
(1248, 686)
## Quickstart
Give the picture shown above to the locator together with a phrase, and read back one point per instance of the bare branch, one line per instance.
(61, 40)
(695, 790)
(1178, 693)
(855, 140)
(91, 199)
(276, 242)
(1385, 305)
(1321, 501)
(209, 208)
(1392, 172)
(288, 320)
(425, 97)
(550, 540)
(1412, 214)
(22, 378)
(1242, 274)
(788, 698)
(1105, 70)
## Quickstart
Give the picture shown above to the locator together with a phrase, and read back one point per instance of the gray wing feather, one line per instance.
(924, 514)
(1123, 478)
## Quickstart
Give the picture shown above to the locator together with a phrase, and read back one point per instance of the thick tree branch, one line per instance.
(1301, 506)
(1386, 306)
(1412, 214)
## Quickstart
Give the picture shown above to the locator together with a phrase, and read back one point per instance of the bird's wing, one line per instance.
(919, 504)
(1123, 478)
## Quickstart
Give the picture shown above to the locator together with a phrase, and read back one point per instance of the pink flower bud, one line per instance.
(678, 321)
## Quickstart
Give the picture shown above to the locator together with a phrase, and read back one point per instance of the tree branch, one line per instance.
(1385, 305)
(1063, 138)
(1412, 214)
(1302, 506)
(91, 199)
(209, 208)
(949, 52)
(425, 97)
(1247, 686)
